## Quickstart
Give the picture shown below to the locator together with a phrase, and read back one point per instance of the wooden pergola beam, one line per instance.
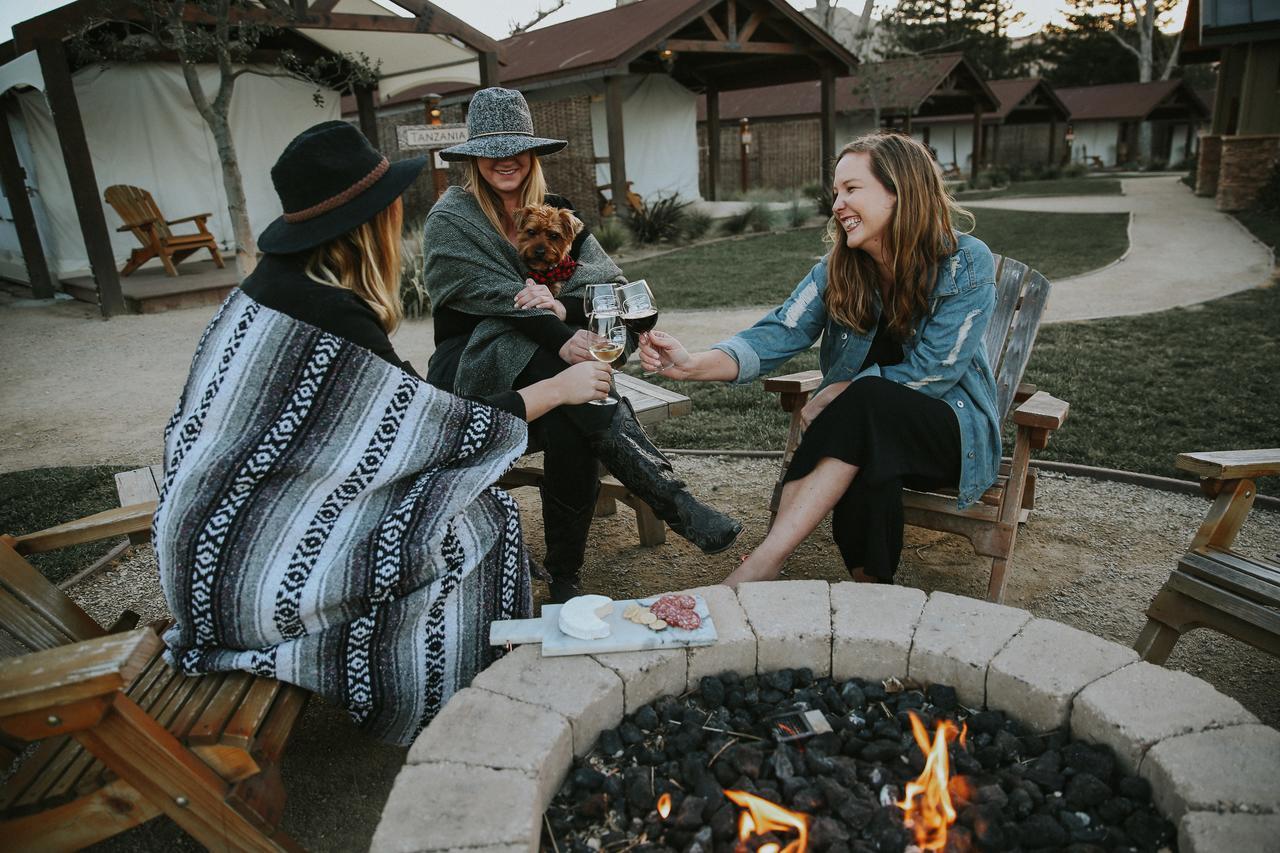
(61, 95)
(706, 46)
(13, 178)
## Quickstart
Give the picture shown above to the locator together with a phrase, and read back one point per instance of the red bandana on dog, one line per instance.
(562, 271)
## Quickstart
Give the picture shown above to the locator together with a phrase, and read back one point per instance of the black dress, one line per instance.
(898, 437)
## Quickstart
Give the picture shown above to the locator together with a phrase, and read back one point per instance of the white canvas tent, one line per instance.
(143, 130)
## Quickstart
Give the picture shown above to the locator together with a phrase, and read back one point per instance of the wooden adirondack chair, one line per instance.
(122, 736)
(1212, 585)
(141, 216)
(991, 524)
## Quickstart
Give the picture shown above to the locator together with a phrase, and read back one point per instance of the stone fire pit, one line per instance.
(481, 775)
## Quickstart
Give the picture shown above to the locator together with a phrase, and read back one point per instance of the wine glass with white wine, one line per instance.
(611, 342)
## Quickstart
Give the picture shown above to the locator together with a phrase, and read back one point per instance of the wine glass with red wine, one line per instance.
(639, 308)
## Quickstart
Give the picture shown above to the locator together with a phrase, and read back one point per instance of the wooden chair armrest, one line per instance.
(1232, 464)
(794, 383)
(1041, 411)
(188, 218)
(1024, 392)
(74, 672)
(104, 525)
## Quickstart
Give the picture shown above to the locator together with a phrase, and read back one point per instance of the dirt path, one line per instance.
(1093, 556)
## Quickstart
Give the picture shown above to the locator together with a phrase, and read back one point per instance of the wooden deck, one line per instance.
(151, 290)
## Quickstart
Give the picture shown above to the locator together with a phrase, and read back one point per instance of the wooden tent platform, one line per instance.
(150, 290)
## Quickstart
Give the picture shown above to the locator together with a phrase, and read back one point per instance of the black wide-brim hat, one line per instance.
(330, 181)
(499, 125)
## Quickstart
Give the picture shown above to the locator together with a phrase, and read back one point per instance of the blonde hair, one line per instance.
(533, 190)
(366, 261)
(919, 236)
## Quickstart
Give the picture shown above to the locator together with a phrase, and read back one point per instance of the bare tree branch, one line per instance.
(1172, 62)
(517, 29)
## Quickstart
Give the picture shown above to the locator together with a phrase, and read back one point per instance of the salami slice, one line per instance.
(677, 610)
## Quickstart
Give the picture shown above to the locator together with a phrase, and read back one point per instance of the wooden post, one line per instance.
(977, 142)
(827, 126)
(14, 181)
(368, 116)
(713, 143)
(906, 123)
(1053, 137)
(995, 144)
(617, 147)
(488, 70)
(61, 94)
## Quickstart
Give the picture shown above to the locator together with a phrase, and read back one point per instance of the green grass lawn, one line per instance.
(1264, 226)
(764, 269)
(1063, 186)
(1142, 389)
(42, 497)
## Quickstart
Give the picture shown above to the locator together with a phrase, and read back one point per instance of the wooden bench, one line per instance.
(123, 736)
(652, 405)
(1214, 586)
(991, 523)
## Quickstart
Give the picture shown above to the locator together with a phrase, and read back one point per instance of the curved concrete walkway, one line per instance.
(76, 391)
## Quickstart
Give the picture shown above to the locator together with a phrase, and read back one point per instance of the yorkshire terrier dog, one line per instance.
(544, 235)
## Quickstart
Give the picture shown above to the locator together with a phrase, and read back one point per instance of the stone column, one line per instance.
(1247, 161)
(1207, 165)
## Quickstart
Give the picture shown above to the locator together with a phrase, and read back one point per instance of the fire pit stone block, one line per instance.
(792, 624)
(1036, 676)
(576, 686)
(871, 629)
(443, 806)
(647, 675)
(1227, 769)
(484, 729)
(735, 646)
(956, 640)
(1139, 705)
(1210, 832)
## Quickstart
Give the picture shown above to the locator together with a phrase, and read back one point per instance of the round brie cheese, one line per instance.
(581, 616)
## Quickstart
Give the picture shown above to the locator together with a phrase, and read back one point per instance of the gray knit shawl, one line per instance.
(472, 268)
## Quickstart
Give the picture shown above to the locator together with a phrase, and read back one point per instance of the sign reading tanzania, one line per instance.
(430, 136)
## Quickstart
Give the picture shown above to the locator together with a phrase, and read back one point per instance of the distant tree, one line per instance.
(517, 28)
(225, 33)
(976, 28)
(1112, 42)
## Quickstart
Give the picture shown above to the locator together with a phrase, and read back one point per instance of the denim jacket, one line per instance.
(943, 357)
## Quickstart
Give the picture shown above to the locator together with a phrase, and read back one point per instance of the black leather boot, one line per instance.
(565, 530)
(630, 455)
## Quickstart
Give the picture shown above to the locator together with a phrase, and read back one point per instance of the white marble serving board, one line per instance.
(624, 635)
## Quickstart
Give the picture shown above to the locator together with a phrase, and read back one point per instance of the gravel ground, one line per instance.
(1093, 556)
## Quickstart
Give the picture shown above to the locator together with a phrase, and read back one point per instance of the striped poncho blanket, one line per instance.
(331, 521)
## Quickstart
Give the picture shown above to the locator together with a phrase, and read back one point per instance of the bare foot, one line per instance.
(752, 569)
(859, 576)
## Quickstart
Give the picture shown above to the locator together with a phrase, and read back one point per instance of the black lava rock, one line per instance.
(881, 750)
(587, 779)
(1084, 758)
(852, 696)
(807, 800)
(1084, 790)
(610, 743)
(1135, 788)
(1148, 830)
(1116, 809)
(942, 697)
(746, 759)
(712, 691)
(1044, 771)
(986, 722)
(874, 691)
(689, 814)
(1040, 831)
(647, 718)
(630, 733)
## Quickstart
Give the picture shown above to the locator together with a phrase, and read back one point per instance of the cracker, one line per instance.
(648, 618)
(658, 624)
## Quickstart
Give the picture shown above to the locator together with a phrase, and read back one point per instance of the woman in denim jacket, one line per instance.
(907, 399)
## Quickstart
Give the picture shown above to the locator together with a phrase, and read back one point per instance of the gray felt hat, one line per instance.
(499, 125)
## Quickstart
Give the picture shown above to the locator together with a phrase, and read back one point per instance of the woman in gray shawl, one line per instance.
(328, 518)
(495, 332)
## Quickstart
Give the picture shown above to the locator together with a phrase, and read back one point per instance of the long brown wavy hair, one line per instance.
(366, 261)
(919, 236)
(533, 190)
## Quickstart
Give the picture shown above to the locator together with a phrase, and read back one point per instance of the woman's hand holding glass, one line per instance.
(578, 348)
(585, 382)
(661, 353)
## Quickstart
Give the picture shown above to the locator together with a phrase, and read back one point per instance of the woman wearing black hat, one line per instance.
(328, 518)
(495, 332)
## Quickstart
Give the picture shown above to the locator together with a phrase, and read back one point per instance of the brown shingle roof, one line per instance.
(1011, 94)
(900, 84)
(1118, 101)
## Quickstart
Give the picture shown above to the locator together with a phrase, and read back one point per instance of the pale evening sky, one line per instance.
(494, 18)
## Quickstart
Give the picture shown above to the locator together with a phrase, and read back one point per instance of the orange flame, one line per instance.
(664, 806)
(927, 808)
(763, 816)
